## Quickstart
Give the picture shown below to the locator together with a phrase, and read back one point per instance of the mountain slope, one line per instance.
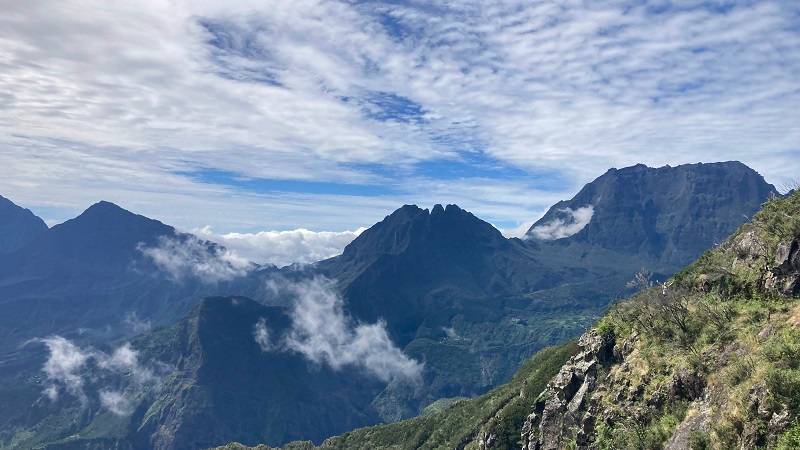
(707, 360)
(18, 226)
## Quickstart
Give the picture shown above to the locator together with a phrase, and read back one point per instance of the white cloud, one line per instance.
(283, 247)
(125, 360)
(570, 222)
(135, 324)
(67, 368)
(261, 335)
(63, 366)
(186, 255)
(326, 335)
(518, 231)
(285, 90)
(116, 402)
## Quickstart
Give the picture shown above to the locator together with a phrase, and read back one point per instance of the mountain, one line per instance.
(474, 305)
(668, 214)
(89, 275)
(216, 383)
(18, 226)
(710, 359)
(452, 293)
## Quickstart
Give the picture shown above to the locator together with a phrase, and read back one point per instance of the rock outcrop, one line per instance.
(784, 277)
(560, 412)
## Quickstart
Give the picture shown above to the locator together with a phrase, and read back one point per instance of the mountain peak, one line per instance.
(18, 226)
(411, 226)
(668, 212)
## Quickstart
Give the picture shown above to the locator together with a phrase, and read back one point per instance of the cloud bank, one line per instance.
(183, 256)
(283, 247)
(570, 223)
(323, 333)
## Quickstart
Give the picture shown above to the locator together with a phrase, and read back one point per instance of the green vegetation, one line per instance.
(715, 340)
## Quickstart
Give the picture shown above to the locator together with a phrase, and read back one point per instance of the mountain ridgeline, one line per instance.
(708, 359)
(469, 305)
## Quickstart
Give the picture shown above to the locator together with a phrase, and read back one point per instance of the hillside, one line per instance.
(710, 359)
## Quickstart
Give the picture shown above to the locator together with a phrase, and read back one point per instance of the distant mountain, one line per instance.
(668, 214)
(18, 226)
(89, 275)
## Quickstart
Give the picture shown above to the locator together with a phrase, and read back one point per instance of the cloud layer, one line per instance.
(150, 103)
(323, 333)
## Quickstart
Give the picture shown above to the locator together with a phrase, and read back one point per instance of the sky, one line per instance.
(294, 124)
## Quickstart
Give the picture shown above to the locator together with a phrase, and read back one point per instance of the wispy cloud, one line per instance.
(322, 332)
(568, 222)
(67, 368)
(261, 335)
(185, 255)
(367, 92)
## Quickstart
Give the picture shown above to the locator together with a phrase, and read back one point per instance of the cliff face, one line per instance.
(710, 359)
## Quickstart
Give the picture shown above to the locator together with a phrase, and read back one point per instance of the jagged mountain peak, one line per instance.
(413, 227)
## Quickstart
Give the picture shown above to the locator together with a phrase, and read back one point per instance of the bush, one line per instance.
(790, 440)
(699, 441)
(785, 385)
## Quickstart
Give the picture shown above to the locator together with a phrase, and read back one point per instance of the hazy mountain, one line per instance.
(18, 226)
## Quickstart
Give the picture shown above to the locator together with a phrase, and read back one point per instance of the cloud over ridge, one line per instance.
(568, 223)
(323, 333)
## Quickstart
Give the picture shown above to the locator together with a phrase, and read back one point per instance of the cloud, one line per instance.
(125, 360)
(570, 222)
(63, 366)
(116, 402)
(186, 255)
(324, 334)
(135, 324)
(67, 367)
(518, 231)
(369, 92)
(261, 335)
(283, 247)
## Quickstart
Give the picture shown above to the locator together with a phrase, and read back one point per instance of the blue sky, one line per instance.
(251, 116)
